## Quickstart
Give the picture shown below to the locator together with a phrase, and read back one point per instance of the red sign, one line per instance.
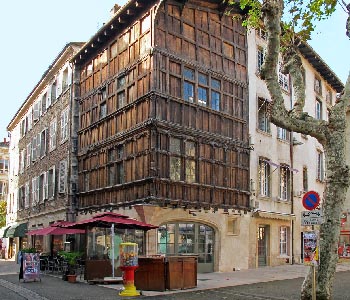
(311, 200)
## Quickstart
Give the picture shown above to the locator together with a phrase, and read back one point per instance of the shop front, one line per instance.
(15, 233)
(104, 234)
(186, 238)
(344, 239)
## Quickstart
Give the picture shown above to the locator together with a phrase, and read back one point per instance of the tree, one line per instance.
(283, 38)
(2, 213)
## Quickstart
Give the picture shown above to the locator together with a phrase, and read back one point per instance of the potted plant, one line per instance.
(71, 259)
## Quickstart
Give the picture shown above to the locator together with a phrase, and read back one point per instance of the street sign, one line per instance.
(312, 217)
(310, 248)
(311, 200)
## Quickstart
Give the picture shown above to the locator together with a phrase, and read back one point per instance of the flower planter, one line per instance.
(72, 278)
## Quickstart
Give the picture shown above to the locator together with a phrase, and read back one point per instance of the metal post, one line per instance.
(112, 235)
(313, 282)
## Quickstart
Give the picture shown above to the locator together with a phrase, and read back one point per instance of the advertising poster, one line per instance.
(31, 266)
(310, 248)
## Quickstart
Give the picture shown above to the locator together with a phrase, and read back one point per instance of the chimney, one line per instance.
(4, 140)
(115, 9)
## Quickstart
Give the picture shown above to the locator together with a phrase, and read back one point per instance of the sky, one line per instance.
(34, 32)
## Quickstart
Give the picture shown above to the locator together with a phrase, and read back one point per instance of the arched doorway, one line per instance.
(184, 238)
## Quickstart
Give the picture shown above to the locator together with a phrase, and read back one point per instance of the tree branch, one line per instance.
(294, 120)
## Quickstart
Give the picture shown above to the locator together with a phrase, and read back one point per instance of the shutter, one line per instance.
(53, 181)
(29, 153)
(62, 176)
(33, 191)
(36, 111)
(48, 97)
(26, 196)
(59, 85)
(38, 145)
(34, 148)
(45, 186)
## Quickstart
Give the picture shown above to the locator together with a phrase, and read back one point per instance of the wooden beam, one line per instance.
(138, 4)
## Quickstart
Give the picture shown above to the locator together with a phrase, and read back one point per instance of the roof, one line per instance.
(320, 66)
(115, 24)
(75, 46)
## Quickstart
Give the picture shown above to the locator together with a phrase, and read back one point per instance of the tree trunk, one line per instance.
(331, 136)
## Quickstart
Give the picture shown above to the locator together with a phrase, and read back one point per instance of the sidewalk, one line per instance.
(209, 280)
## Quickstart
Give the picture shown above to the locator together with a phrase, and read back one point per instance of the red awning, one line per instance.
(54, 230)
(106, 219)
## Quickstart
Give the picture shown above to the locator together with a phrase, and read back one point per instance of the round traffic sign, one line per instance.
(311, 200)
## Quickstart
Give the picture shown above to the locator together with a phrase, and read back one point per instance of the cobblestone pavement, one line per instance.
(275, 283)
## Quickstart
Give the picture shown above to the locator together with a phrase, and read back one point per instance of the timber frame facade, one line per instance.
(163, 105)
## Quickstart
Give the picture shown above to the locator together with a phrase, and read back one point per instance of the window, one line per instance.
(320, 168)
(175, 161)
(283, 134)
(38, 146)
(64, 125)
(103, 104)
(318, 86)
(263, 117)
(26, 195)
(284, 240)
(33, 148)
(29, 154)
(30, 118)
(21, 197)
(51, 183)
(329, 97)
(305, 179)
(22, 158)
(264, 177)
(283, 79)
(145, 24)
(190, 169)
(35, 191)
(3, 188)
(182, 160)
(262, 33)
(318, 109)
(65, 80)
(284, 183)
(62, 177)
(42, 187)
(202, 89)
(43, 138)
(43, 103)
(4, 165)
(53, 92)
(115, 166)
(188, 89)
(260, 58)
(36, 111)
(52, 133)
(215, 94)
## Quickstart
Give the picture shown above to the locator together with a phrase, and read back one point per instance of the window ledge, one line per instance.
(266, 133)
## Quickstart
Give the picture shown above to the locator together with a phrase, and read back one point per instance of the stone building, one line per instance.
(4, 183)
(4, 168)
(43, 152)
(284, 165)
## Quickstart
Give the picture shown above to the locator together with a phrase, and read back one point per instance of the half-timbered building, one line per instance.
(163, 127)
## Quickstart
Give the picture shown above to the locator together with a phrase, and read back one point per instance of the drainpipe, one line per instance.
(291, 154)
(72, 151)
